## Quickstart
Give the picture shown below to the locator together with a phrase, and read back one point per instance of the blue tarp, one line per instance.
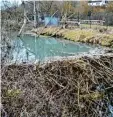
(51, 21)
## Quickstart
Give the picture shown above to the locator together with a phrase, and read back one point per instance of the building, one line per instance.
(51, 21)
(97, 2)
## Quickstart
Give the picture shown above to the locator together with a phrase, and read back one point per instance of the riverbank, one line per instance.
(104, 38)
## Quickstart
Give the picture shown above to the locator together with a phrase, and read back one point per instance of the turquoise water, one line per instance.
(30, 48)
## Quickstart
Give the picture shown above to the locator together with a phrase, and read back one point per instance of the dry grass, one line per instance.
(104, 38)
(71, 88)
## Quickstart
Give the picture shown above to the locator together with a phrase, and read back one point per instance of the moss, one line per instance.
(13, 93)
(93, 96)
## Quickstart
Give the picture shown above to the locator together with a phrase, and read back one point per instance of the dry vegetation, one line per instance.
(71, 88)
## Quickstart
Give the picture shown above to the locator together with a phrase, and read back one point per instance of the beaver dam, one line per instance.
(71, 88)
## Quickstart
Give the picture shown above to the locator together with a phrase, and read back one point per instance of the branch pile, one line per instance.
(70, 88)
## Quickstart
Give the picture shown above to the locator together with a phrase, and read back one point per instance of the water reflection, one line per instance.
(29, 48)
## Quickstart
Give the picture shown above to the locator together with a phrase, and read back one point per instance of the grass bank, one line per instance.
(101, 36)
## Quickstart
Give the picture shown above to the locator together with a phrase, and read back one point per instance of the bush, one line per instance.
(109, 19)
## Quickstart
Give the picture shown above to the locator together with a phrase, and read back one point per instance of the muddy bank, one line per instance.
(78, 35)
(78, 87)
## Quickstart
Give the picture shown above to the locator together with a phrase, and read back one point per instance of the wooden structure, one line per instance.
(69, 24)
(94, 22)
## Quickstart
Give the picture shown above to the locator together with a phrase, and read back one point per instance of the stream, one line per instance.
(29, 48)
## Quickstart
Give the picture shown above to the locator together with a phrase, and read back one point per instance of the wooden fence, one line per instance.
(94, 22)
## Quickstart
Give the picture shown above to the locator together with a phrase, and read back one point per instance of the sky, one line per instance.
(19, 1)
(11, 1)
